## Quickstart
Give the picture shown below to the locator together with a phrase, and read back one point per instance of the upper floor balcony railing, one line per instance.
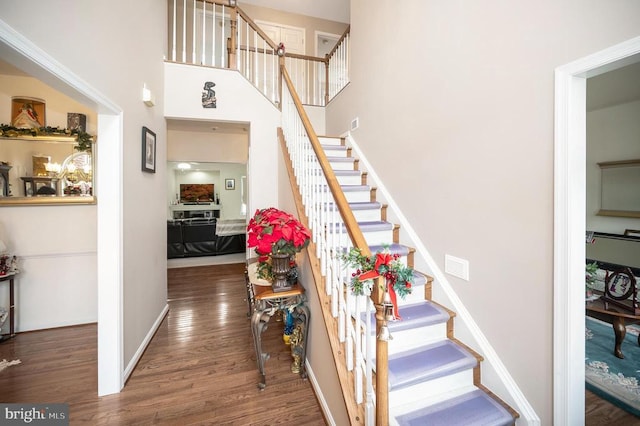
(217, 33)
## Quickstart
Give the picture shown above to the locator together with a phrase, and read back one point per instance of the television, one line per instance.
(196, 192)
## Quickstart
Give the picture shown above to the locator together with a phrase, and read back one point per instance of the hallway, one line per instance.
(199, 368)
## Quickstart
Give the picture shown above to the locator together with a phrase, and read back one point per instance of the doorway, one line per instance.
(23, 54)
(570, 223)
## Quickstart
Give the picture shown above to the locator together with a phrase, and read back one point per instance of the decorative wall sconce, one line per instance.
(147, 97)
(280, 50)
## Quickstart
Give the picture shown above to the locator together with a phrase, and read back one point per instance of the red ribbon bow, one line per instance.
(383, 259)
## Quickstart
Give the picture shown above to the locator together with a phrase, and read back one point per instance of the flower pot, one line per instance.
(280, 265)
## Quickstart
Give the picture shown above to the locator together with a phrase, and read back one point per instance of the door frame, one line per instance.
(570, 224)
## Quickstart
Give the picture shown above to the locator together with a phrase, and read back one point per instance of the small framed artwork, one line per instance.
(148, 151)
(27, 113)
(229, 184)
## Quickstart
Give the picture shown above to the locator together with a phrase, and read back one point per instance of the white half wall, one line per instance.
(237, 101)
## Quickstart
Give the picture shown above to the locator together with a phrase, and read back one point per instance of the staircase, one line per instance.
(433, 378)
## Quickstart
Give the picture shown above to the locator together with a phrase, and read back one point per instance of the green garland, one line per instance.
(83, 139)
(394, 272)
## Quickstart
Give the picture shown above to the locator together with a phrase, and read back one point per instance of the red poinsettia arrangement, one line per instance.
(273, 231)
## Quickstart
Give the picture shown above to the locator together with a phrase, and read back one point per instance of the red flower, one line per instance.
(275, 231)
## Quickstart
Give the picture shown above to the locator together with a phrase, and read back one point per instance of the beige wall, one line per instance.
(310, 24)
(468, 90)
(613, 134)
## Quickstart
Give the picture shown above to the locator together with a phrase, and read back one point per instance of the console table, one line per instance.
(263, 304)
(10, 279)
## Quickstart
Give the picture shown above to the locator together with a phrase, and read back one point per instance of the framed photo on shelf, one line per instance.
(229, 184)
(148, 151)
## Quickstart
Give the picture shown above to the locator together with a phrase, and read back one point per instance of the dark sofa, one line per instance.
(199, 237)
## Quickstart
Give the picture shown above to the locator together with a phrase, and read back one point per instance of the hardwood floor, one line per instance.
(200, 367)
(600, 412)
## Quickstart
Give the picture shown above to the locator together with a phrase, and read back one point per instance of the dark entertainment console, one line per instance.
(205, 237)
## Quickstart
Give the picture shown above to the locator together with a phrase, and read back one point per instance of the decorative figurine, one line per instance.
(209, 95)
(296, 341)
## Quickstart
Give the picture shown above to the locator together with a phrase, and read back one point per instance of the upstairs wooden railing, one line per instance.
(217, 34)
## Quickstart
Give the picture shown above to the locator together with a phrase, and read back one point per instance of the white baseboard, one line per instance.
(136, 357)
(323, 402)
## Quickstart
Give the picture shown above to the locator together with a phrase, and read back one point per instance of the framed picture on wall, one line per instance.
(148, 151)
(229, 184)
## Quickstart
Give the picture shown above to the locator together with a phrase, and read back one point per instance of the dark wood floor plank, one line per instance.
(200, 367)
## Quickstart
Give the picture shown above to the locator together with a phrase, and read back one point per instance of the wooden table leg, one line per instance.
(620, 331)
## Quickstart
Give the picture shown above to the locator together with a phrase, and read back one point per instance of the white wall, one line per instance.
(613, 134)
(230, 200)
(237, 101)
(457, 119)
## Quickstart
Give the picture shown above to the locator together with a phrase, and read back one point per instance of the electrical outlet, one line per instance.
(354, 123)
(456, 267)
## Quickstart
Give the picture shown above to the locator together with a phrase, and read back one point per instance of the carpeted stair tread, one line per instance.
(474, 408)
(330, 147)
(371, 226)
(355, 188)
(333, 159)
(394, 248)
(416, 315)
(359, 205)
(347, 172)
(422, 314)
(419, 279)
(365, 205)
(427, 363)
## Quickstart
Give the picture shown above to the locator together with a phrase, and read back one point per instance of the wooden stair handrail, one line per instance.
(340, 40)
(353, 229)
(257, 29)
(358, 240)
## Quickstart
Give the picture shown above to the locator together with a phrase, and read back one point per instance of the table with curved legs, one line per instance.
(264, 303)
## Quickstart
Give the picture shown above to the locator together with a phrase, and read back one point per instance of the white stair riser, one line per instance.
(358, 196)
(425, 391)
(371, 237)
(342, 165)
(409, 339)
(335, 165)
(417, 295)
(335, 152)
(350, 180)
(370, 215)
(330, 141)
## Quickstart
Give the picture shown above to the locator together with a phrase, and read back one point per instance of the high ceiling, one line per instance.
(333, 10)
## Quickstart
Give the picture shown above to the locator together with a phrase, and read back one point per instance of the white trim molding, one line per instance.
(145, 342)
(570, 225)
